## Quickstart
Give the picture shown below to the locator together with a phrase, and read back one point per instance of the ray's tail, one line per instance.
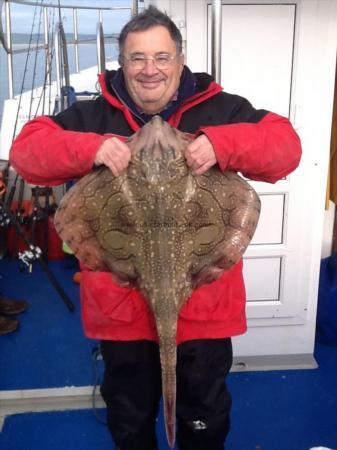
(168, 357)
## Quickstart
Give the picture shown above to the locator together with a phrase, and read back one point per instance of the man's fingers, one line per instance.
(193, 146)
(114, 154)
(113, 168)
(200, 155)
(114, 165)
(196, 159)
(200, 158)
(202, 169)
(120, 144)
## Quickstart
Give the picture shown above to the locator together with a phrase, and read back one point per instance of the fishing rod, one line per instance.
(35, 64)
(19, 216)
(38, 213)
(24, 73)
(7, 217)
(4, 222)
(50, 51)
(50, 60)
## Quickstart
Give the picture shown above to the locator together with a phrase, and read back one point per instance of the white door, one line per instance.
(278, 56)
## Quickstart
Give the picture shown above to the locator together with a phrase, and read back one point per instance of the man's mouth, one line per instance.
(150, 84)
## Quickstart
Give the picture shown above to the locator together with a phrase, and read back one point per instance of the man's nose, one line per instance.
(150, 67)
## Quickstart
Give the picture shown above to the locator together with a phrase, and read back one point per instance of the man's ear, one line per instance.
(181, 62)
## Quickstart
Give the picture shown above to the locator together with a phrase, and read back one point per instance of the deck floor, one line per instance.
(274, 410)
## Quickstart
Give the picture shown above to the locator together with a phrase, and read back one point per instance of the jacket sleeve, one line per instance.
(267, 150)
(46, 154)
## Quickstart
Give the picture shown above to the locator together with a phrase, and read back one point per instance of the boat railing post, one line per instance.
(100, 45)
(58, 63)
(46, 44)
(64, 58)
(75, 24)
(135, 8)
(216, 40)
(2, 34)
(62, 66)
(9, 49)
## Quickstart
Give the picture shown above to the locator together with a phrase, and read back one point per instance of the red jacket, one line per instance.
(260, 144)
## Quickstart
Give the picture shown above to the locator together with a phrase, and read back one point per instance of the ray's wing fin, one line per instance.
(77, 220)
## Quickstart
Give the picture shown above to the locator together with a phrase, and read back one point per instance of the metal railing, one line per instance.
(216, 40)
(6, 38)
(61, 55)
(7, 41)
(100, 48)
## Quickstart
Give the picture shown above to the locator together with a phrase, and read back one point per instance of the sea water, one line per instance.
(29, 71)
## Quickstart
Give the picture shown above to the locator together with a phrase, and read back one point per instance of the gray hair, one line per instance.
(149, 18)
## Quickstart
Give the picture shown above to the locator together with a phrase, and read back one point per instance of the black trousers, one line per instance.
(131, 389)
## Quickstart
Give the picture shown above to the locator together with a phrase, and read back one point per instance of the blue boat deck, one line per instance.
(275, 410)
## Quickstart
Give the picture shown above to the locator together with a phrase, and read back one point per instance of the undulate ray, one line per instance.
(161, 229)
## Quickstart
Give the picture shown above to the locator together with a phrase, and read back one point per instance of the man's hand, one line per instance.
(114, 154)
(200, 155)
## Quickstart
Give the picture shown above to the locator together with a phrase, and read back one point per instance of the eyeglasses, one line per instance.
(162, 61)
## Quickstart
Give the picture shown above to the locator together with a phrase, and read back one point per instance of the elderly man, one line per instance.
(229, 132)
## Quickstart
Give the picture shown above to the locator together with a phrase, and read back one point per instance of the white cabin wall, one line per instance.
(320, 21)
(287, 326)
(198, 62)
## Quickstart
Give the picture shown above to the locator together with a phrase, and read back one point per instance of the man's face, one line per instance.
(151, 88)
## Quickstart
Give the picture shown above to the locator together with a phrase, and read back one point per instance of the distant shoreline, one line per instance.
(24, 38)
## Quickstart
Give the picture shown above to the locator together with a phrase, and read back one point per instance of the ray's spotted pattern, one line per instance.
(161, 229)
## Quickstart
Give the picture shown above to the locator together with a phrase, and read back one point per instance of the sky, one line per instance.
(22, 15)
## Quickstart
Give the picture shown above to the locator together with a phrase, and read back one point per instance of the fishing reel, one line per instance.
(30, 255)
(4, 219)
